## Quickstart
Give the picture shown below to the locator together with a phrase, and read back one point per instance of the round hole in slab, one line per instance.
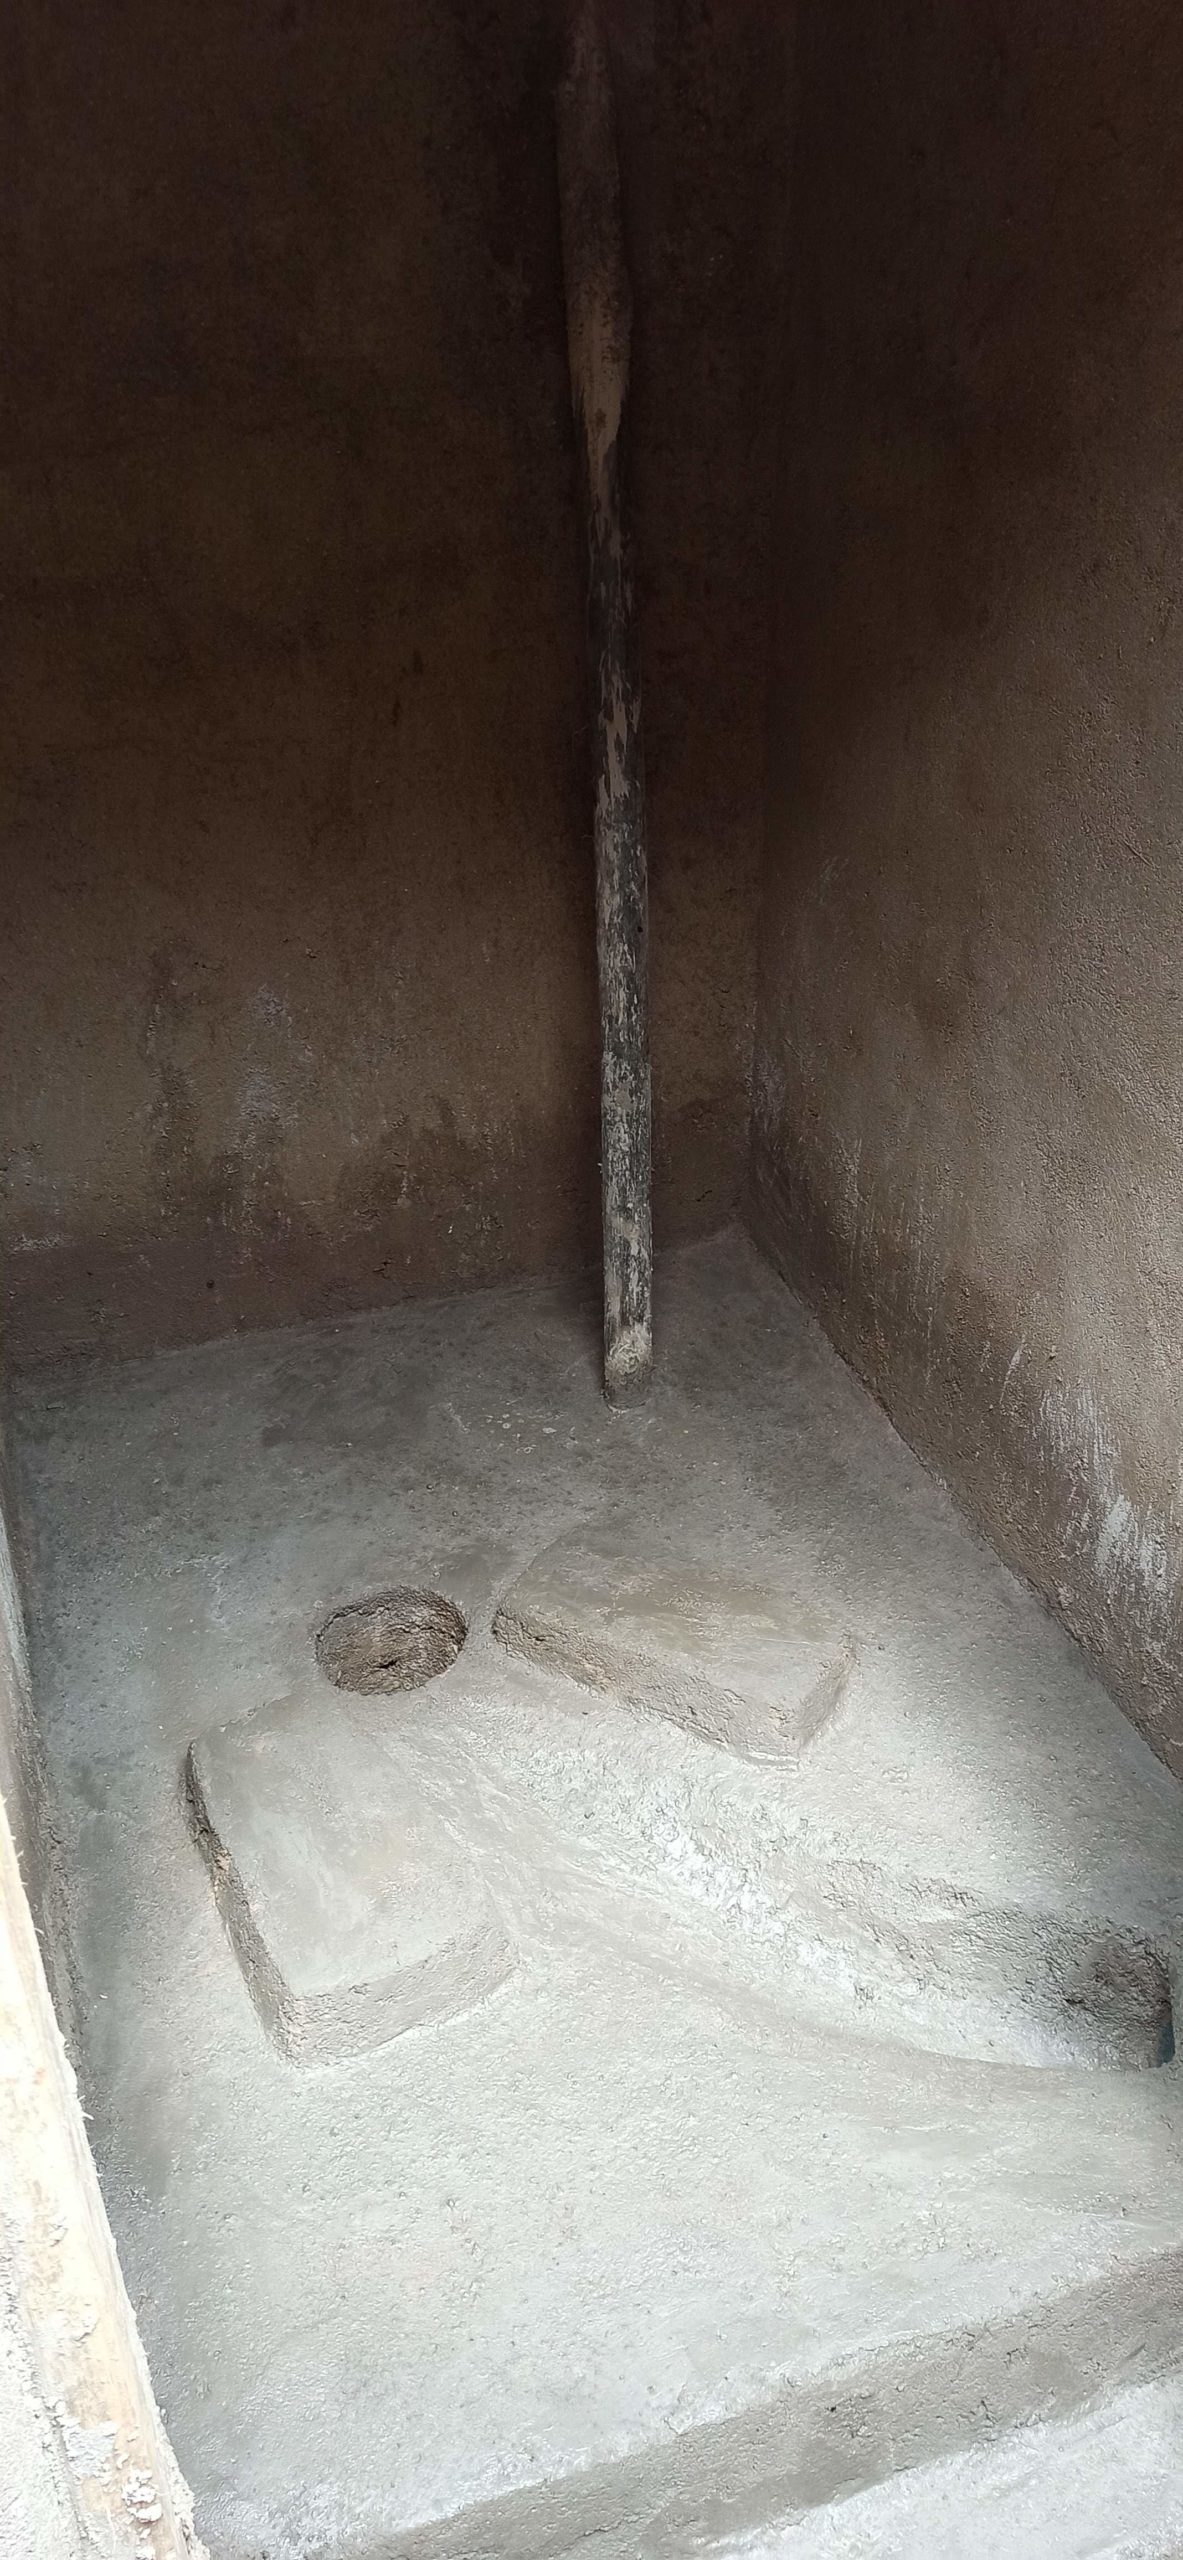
(398, 1640)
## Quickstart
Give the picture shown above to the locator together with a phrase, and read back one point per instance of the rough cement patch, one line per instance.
(741, 1664)
(400, 1640)
(352, 1913)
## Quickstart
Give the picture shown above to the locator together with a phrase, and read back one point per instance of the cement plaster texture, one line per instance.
(751, 1668)
(1108, 2486)
(968, 1077)
(815, 2138)
(353, 1913)
(297, 982)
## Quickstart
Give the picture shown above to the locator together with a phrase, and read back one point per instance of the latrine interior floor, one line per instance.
(688, 2092)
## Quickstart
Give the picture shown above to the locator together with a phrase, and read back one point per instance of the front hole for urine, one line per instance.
(396, 1641)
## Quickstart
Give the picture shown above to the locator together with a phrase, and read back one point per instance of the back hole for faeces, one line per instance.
(1118, 2002)
(399, 1640)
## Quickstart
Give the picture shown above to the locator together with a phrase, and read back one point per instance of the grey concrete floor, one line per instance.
(814, 2131)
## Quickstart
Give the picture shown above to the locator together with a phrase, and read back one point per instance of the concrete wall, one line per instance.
(296, 985)
(969, 1119)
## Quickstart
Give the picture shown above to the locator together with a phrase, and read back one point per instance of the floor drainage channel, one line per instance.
(400, 1639)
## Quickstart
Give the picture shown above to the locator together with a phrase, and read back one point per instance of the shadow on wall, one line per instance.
(969, 1076)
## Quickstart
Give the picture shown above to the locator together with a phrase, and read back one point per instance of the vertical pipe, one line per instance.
(599, 316)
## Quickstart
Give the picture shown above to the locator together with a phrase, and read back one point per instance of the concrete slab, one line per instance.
(743, 2196)
(748, 1666)
(353, 1913)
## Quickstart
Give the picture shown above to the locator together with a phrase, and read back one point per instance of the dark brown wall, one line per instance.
(969, 1115)
(296, 974)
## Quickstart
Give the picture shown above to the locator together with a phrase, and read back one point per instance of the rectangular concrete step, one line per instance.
(352, 1912)
(739, 1663)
